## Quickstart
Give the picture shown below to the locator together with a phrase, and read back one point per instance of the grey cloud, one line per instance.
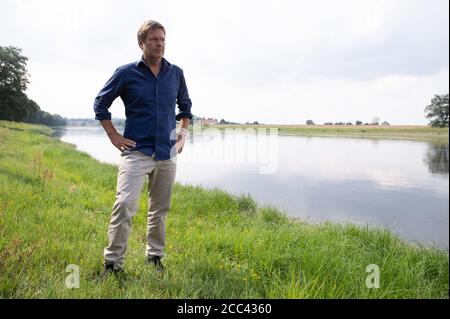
(413, 40)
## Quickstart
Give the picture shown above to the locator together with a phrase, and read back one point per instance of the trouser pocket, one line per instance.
(127, 152)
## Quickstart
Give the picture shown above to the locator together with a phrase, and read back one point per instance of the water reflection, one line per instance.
(437, 158)
(59, 131)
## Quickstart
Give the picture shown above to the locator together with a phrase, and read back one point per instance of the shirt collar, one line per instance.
(165, 64)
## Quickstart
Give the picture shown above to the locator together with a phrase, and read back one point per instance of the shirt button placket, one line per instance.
(157, 116)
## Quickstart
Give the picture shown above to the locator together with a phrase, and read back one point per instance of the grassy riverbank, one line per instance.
(55, 204)
(405, 132)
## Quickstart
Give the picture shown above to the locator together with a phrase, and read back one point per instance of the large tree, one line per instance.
(13, 70)
(14, 103)
(16, 107)
(437, 111)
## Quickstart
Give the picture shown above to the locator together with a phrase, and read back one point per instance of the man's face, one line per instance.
(154, 44)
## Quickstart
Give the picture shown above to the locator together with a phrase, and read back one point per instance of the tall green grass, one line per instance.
(55, 204)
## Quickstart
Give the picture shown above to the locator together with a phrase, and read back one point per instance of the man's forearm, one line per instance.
(108, 126)
(184, 122)
(183, 132)
(116, 138)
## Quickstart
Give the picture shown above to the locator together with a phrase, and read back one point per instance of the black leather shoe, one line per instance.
(110, 269)
(155, 261)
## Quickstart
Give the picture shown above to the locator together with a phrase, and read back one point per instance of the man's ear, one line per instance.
(141, 46)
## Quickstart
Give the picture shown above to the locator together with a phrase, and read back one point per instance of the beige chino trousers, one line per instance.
(133, 168)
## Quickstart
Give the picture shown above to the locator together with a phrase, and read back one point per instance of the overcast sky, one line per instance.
(280, 62)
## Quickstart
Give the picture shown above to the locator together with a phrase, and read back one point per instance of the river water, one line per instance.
(397, 184)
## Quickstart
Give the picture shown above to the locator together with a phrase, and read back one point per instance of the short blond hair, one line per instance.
(148, 25)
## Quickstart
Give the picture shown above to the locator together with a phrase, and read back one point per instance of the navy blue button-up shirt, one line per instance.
(149, 105)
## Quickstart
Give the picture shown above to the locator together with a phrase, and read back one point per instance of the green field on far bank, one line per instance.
(406, 132)
(55, 204)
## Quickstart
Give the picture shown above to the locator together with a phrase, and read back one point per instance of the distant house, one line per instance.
(209, 121)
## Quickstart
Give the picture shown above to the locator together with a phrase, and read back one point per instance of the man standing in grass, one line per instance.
(149, 88)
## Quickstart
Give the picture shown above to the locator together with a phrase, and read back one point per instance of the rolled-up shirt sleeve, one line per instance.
(183, 100)
(107, 95)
